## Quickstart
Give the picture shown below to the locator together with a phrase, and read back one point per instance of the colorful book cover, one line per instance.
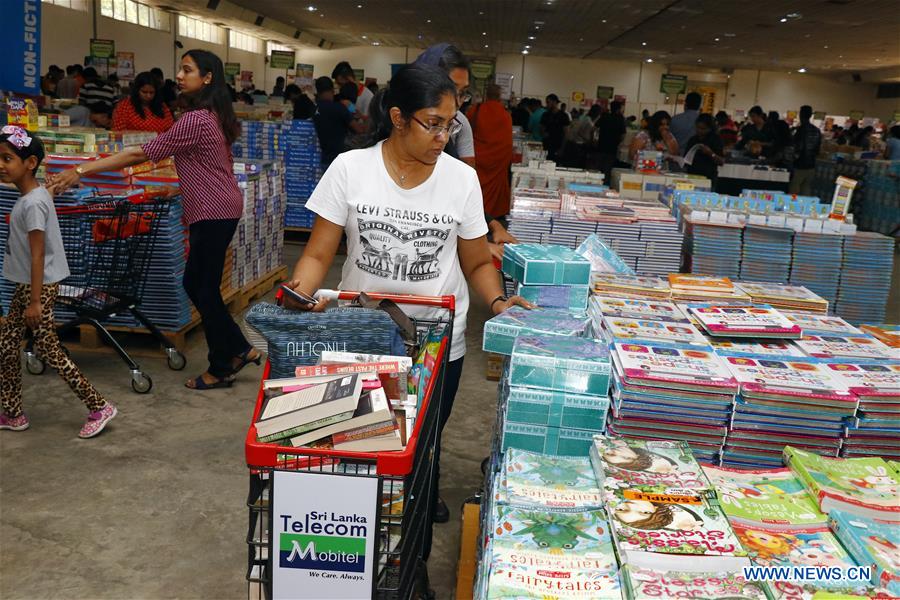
(845, 346)
(754, 319)
(662, 365)
(648, 330)
(888, 334)
(810, 323)
(514, 582)
(698, 528)
(636, 308)
(867, 486)
(635, 285)
(542, 481)
(541, 539)
(869, 379)
(814, 546)
(775, 348)
(791, 293)
(653, 584)
(771, 497)
(652, 466)
(871, 542)
(798, 378)
(704, 283)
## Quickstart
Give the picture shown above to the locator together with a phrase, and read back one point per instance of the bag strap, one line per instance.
(407, 327)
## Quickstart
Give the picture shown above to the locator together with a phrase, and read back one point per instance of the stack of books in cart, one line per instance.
(348, 402)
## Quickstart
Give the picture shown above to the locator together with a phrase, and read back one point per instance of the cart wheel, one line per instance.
(176, 359)
(141, 383)
(34, 364)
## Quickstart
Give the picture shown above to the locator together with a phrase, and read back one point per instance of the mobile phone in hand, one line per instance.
(299, 297)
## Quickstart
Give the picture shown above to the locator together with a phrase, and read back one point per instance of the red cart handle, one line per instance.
(445, 302)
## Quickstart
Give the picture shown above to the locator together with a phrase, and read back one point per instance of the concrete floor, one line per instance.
(155, 507)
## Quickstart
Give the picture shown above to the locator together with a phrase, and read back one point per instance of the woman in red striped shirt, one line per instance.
(200, 142)
(144, 110)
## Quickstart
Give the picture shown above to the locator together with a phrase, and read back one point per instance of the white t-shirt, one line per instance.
(403, 241)
(363, 100)
(34, 212)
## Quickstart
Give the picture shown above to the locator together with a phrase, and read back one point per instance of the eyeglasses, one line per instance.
(436, 130)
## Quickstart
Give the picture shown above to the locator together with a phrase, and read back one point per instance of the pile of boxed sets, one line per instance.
(259, 237)
(296, 146)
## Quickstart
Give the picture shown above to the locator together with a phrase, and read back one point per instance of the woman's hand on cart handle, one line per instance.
(319, 306)
(62, 181)
(501, 305)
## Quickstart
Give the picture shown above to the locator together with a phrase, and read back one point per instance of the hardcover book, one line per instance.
(811, 323)
(798, 379)
(651, 331)
(636, 308)
(871, 542)
(332, 400)
(867, 487)
(833, 346)
(672, 366)
(774, 498)
(754, 320)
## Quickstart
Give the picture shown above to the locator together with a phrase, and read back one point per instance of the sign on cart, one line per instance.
(324, 528)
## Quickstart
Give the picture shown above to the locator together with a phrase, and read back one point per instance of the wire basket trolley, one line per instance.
(112, 240)
(405, 478)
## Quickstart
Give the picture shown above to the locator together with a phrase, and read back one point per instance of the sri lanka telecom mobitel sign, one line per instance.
(323, 535)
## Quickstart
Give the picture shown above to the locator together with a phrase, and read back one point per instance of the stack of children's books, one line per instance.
(662, 508)
(348, 402)
(876, 430)
(631, 286)
(785, 400)
(671, 392)
(546, 534)
(871, 542)
(692, 287)
(887, 334)
(786, 297)
(742, 321)
(780, 525)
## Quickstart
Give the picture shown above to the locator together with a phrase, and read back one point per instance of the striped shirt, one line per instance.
(94, 92)
(204, 164)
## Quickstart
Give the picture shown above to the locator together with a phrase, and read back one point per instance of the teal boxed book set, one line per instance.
(567, 297)
(534, 406)
(534, 264)
(559, 441)
(560, 363)
(501, 332)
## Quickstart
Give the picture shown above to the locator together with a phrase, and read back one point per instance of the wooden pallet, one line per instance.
(235, 300)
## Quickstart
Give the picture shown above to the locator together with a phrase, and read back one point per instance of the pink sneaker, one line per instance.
(97, 420)
(19, 423)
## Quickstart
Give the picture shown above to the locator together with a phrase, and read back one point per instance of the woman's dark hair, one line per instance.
(655, 122)
(595, 111)
(706, 119)
(156, 105)
(895, 131)
(757, 110)
(412, 88)
(721, 117)
(214, 97)
(35, 148)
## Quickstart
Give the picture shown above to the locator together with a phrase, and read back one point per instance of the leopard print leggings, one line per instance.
(47, 346)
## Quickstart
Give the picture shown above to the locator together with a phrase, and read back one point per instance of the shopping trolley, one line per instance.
(112, 242)
(405, 477)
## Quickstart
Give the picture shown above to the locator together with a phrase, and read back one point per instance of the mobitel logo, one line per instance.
(323, 541)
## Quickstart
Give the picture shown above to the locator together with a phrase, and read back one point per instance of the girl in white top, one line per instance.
(413, 215)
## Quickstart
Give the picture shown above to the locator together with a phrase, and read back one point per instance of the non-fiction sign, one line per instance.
(672, 84)
(323, 544)
(103, 48)
(20, 30)
(282, 59)
(604, 92)
(232, 69)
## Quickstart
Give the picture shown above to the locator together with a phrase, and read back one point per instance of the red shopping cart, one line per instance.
(405, 478)
(110, 242)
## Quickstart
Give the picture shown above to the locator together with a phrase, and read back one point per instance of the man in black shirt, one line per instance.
(610, 131)
(553, 126)
(521, 114)
(807, 141)
(709, 153)
(332, 120)
(756, 137)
